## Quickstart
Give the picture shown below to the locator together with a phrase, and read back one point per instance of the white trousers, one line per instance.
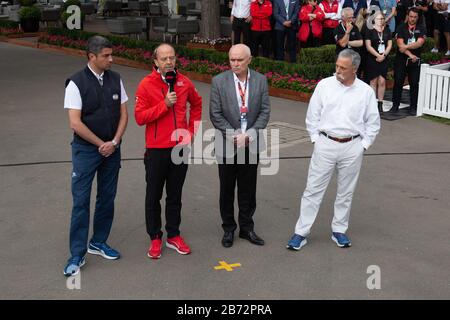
(329, 155)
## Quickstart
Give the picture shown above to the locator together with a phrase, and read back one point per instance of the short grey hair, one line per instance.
(96, 44)
(353, 55)
(347, 12)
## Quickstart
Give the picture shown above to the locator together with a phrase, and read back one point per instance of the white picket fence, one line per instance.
(434, 90)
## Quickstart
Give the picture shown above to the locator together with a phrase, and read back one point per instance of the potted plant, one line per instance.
(29, 18)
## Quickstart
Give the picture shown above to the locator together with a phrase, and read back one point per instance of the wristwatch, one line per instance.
(114, 142)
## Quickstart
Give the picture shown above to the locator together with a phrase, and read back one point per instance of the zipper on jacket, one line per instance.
(175, 122)
(156, 127)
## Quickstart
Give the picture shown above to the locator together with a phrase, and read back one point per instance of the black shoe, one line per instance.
(393, 110)
(227, 240)
(252, 237)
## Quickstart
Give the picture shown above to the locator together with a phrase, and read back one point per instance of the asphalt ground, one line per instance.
(399, 222)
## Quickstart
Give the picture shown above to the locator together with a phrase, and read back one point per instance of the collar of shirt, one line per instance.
(162, 77)
(95, 74)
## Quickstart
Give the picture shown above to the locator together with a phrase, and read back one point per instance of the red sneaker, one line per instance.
(177, 243)
(154, 251)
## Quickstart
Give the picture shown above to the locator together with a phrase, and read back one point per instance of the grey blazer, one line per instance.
(225, 114)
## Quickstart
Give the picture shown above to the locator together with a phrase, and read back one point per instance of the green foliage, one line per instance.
(318, 69)
(8, 24)
(428, 45)
(30, 13)
(428, 57)
(324, 54)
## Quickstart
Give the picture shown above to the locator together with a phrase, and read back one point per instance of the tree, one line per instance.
(210, 23)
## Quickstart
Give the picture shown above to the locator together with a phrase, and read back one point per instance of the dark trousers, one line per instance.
(400, 71)
(328, 36)
(87, 162)
(239, 27)
(245, 176)
(261, 38)
(160, 171)
(290, 36)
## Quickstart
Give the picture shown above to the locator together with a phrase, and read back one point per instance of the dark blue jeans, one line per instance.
(87, 161)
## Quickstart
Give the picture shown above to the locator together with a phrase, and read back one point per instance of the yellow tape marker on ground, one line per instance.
(226, 266)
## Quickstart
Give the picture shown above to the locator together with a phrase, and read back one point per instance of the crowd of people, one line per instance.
(369, 27)
(312, 23)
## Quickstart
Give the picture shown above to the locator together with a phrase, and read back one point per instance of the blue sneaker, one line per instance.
(341, 240)
(73, 266)
(296, 242)
(102, 249)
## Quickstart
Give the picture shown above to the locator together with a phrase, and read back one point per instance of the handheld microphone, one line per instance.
(171, 77)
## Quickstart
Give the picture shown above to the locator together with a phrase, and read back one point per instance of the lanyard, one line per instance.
(411, 32)
(380, 36)
(243, 108)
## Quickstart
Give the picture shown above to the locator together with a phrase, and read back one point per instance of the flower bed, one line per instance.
(9, 32)
(204, 62)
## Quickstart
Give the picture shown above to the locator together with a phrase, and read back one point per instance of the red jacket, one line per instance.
(333, 8)
(316, 24)
(261, 16)
(160, 120)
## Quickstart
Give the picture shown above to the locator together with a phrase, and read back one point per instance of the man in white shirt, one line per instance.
(342, 121)
(96, 104)
(240, 21)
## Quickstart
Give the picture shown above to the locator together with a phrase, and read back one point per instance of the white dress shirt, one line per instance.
(242, 83)
(241, 8)
(342, 111)
(72, 98)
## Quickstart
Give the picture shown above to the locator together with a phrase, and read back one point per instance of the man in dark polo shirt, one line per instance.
(347, 34)
(410, 39)
(96, 102)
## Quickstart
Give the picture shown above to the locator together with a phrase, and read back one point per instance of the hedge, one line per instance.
(8, 24)
(316, 70)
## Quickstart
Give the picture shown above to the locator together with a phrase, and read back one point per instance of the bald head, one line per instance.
(240, 57)
(241, 49)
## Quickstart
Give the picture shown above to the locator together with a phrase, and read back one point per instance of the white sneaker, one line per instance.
(434, 50)
(447, 53)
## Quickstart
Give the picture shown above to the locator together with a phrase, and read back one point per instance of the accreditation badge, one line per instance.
(411, 40)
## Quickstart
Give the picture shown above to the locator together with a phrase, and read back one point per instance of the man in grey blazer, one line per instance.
(239, 109)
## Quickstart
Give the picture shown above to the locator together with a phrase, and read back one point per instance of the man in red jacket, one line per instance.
(332, 16)
(161, 105)
(261, 11)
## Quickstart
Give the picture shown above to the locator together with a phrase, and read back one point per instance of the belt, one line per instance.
(341, 140)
